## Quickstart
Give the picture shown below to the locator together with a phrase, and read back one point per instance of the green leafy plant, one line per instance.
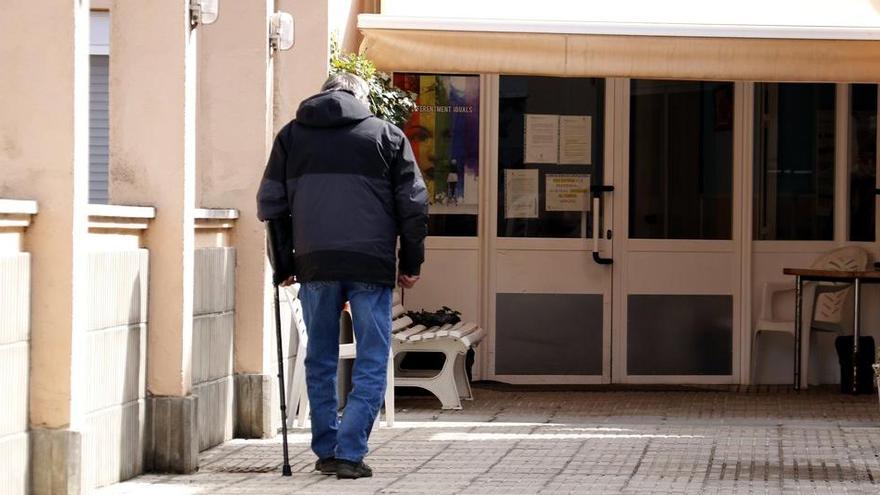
(386, 101)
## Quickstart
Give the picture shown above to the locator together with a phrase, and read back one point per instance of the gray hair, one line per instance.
(349, 83)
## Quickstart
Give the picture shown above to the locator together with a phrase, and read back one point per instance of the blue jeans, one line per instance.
(322, 302)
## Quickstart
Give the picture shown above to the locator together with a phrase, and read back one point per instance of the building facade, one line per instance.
(728, 142)
(611, 190)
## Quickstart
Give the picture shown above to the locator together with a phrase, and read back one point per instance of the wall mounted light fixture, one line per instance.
(203, 11)
(281, 31)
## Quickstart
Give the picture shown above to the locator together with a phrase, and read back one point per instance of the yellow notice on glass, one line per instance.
(567, 192)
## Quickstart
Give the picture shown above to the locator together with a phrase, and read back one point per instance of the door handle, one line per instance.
(597, 191)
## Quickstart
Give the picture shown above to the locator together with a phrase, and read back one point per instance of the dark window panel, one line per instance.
(681, 160)
(794, 161)
(679, 334)
(862, 162)
(549, 334)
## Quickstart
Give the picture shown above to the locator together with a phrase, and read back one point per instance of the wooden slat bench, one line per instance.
(450, 384)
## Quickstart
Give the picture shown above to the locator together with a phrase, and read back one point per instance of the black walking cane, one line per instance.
(275, 235)
(285, 468)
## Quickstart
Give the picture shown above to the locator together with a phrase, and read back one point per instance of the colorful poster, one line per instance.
(575, 139)
(521, 193)
(542, 138)
(444, 132)
(567, 192)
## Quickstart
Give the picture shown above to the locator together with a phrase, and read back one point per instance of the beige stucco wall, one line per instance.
(300, 72)
(234, 135)
(44, 157)
(152, 162)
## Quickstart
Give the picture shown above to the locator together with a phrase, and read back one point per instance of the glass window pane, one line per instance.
(794, 161)
(681, 160)
(445, 135)
(862, 162)
(550, 137)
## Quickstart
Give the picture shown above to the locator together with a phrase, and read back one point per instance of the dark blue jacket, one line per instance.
(348, 185)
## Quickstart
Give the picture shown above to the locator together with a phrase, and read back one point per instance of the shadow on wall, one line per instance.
(212, 344)
(114, 427)
(131, 451)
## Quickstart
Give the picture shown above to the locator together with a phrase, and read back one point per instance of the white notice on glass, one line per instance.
(567, 192)
(520, 194)
(542, 138)
(575, 139)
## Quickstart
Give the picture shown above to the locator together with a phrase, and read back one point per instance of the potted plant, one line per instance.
(386, 101)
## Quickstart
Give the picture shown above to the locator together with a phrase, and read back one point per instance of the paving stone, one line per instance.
(510, 441)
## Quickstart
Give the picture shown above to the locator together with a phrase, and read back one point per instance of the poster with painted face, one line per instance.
(444, 131)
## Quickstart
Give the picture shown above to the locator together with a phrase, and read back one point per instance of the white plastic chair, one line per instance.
(298, 397)
(823, 304)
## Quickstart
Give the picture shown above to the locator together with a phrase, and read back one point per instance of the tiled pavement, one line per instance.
(514, 441)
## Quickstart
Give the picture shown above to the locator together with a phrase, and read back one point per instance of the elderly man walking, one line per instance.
(341, 186)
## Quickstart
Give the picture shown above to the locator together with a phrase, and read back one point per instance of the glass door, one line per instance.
(550, 275)
(677, 252)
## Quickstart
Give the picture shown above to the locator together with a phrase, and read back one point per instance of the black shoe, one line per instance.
(327, 465)
(352, 470)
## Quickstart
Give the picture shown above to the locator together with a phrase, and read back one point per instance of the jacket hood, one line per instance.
(331, 109)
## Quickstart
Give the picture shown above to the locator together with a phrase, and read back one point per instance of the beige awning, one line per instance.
(702, 52)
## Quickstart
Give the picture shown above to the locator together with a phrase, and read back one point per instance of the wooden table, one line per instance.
(802, 275)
